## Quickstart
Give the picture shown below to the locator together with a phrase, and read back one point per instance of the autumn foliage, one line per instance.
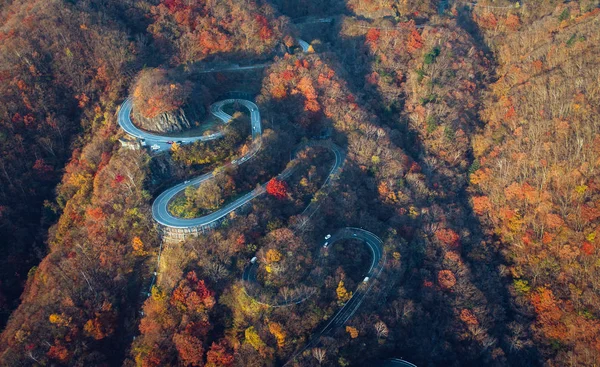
(180, 322)
(277, 188)
(471, 146)
(192, 295)
(156, 92)
(544, 206)
(446, 279)
(193, 31)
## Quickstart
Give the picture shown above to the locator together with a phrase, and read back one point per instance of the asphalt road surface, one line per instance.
(124, 119)
(348, 310)
(161, 213)
(160, 210)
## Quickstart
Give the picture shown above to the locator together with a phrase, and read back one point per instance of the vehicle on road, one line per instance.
(253, 260)
(155, 147)
(326, 244)
(353, 234)
(170, 142)
(186, 181)
(328, 237)
(366, 279)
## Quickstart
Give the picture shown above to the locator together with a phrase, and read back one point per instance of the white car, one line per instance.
(155, 147)
(326, 244)
(328, 237)
(253, 260)
(366, 279)
(354, 234)
(186, 181)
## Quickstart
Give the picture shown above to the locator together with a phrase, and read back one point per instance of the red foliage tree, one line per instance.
(587, 248)
(190, 349)
(192, 294)
(218, 356)
(415, 41)
(277, 188)
(448, 237)
(265, 31)
(373, 35)
(58, 352)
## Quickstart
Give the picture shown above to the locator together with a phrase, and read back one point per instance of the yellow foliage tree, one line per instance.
(60, 320)
(273, 256)
(277, 330)
(138, 246)
(342, 293)
(352, 331)
(254, 340)
(157, 294)
(94, 328)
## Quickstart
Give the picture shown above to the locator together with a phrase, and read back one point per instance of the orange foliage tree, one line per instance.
(448, 237)
(218, 355)
(155, 91)
(189, 349)
(446, 279)
(192, 294)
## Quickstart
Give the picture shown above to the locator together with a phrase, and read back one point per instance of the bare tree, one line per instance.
(381, 329)
(319, 354)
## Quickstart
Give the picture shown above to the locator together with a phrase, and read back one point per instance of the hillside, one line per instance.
(351, 181)
(61, 67)
(534, 180)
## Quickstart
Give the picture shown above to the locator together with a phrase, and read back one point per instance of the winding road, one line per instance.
(396, 362)
(375, 244)
(372, 241)
(162, 215)
(124, 119)
(160, 211)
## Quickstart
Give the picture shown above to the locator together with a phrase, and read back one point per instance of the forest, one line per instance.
(424, 182)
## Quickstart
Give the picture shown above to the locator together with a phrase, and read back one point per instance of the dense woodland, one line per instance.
(470, 133)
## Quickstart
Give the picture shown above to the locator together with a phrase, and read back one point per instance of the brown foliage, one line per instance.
(190, 350)
(446, 279)
(155, 91)
(468, 317)
(540, 192)
(192, 31)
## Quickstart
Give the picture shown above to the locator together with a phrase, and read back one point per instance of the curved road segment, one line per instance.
(304, 45)
(160, 210)
(124, 119)
(375, 244)
(396, 362)
(161, 213)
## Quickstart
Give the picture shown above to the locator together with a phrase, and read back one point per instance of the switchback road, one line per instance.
(375, 244)
(162, 215)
